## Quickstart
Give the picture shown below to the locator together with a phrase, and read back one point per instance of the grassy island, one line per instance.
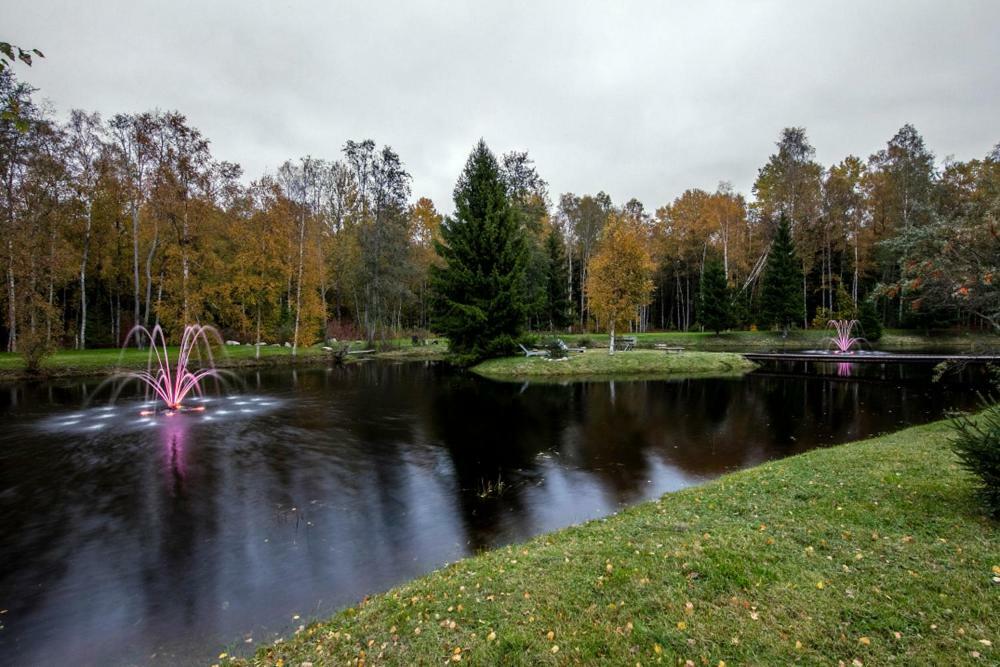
(869, 553)
(598, 363)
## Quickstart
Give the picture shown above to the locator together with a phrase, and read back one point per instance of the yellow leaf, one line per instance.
(550, 636)
(865, 641)
(681, 625)
(657, 649)
(820, 585)
(555, 649)
(490, 637)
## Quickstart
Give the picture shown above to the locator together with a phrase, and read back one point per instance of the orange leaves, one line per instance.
(619, 276)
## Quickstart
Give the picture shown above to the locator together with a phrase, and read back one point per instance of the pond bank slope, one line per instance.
(873, 552)
(109, 361)
(598, 363)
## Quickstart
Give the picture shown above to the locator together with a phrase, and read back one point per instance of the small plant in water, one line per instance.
(173, 383)
(490, 489)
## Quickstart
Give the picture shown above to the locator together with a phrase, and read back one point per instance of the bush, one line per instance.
(977, 445)
(34, 348)
(871, 325)
(585, 342)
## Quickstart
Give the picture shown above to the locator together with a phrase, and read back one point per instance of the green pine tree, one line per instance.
(558, 301)
(868, 319)
(478, 295)
(715, 312)
(781, 291)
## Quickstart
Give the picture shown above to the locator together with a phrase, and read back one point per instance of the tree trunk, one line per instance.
(298, 286)
(611, 344)
(82, 339)
(135, 262)
(256, 353)
(185, 267)
(11, 296)
(805, 305)
(854, 285)
(149, 274)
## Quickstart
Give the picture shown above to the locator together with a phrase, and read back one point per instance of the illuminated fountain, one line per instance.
(844, 342)
(172, 383)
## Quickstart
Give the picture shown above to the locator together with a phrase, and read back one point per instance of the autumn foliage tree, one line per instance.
(619, 275)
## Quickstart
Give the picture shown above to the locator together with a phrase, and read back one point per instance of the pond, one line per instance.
(127, 539)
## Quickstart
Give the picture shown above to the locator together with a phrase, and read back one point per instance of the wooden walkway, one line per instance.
(887, 358)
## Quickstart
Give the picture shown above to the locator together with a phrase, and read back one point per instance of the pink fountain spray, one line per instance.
(844, 341)
(172, 383)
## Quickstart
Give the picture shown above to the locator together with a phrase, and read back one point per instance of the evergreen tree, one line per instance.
(716, 311)
(871, 325)
(478, 296)
(781, 293)
(558, 300)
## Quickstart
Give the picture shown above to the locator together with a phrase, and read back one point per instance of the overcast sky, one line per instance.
(640, 99)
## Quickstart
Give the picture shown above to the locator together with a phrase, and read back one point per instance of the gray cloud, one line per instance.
(640, 99)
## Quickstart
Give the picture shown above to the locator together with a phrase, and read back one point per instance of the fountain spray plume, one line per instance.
(172, 383)
(844, 341)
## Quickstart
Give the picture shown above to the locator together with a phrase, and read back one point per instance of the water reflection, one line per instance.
(158, 540)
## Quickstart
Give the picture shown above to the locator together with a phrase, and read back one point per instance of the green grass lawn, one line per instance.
(598, 363)
(82, 362)
(103, 361)
(871, 553)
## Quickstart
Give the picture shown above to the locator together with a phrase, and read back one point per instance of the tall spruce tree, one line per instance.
(781, 294)
(478, 295)
(558, 299)
(716, 310)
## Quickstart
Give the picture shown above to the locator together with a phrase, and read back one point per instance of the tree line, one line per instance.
(108, 223)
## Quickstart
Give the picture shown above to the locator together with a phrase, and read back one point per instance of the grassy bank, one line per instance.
(598, 363)
(869, 553)
(68, 363)
(742, 341)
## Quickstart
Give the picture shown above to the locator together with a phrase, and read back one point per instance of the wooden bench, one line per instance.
(625, 343)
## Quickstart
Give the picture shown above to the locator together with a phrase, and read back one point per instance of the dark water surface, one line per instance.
(131, 540)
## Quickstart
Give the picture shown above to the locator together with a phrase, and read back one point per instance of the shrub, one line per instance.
(584, 342)
(871, 325)
(977, 445)
(34, 347)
